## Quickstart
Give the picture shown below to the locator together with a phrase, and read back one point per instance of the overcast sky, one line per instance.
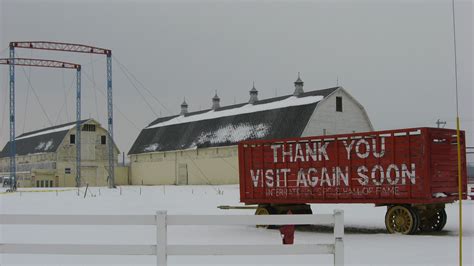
(395, 57)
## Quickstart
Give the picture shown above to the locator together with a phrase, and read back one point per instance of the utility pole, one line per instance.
(439, 123)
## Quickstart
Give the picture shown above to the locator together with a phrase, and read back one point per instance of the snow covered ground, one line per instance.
(366, 242)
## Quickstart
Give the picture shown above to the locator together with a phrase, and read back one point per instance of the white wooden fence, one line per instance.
(162, 249)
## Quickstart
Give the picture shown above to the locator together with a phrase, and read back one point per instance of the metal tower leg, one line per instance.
(78, 127)
(110, 141)
(12, 120)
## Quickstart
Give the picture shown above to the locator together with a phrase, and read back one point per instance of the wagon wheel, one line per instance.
(434, 220)
(416, 216)
(441, 218)
(401, 219)
(264, 210)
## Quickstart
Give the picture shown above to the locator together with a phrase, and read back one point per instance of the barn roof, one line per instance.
(278, 117)
(40, 141)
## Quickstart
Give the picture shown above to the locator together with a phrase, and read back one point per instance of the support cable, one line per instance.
(4, 49)
(141, 84)
(26, 109)
(94, 86)
(36, 95)
(458, 137)
(27, 96)
(136, 88)
(115, 106)
(204, 177)
(65, 96)
(4, 104)
(237, 170)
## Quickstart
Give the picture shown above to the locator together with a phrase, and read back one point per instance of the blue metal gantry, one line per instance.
(11, 62)
(80, 48)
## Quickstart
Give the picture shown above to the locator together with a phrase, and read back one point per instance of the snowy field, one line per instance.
(366, 242)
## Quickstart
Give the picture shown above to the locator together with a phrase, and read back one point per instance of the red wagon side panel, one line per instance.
(417, 165)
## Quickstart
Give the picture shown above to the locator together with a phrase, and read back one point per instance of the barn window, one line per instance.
(87, 127)
(72, 139)
(338, 104)
(67, 170)
(103, 139)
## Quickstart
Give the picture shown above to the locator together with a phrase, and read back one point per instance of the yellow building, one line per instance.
(201, 147)
(47, 157)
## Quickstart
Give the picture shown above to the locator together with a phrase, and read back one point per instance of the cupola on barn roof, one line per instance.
(298, 86)
(278, 117)
(253, 94)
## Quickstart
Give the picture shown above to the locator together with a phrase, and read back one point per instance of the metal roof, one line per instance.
(285, 122)
(35, 142)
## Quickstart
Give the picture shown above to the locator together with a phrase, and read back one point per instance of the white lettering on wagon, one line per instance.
(379, 176)
(370, 172)
(302, 153)
(363, 144)
(336, 176)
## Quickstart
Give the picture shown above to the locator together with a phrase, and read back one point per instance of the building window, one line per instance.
(72, 139)
(90, 128)
(50, 183)
(338, 104)
(37, 183)
(42, 183)
(67, 170)
(103, 139)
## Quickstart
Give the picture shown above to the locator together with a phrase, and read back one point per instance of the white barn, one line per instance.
(201, 147)
(47, 157)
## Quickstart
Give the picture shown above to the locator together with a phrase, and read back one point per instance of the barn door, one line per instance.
(182, 174)
(89, 175)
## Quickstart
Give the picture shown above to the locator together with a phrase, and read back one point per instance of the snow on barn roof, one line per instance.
(244, 109)
(278, 117)
(40, 141)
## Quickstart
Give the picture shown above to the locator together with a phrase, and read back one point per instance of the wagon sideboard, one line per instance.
(412, 166)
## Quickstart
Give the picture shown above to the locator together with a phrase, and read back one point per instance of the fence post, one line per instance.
(161, 241)
(338, 237)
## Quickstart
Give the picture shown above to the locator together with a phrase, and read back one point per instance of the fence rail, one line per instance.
(162, 249)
